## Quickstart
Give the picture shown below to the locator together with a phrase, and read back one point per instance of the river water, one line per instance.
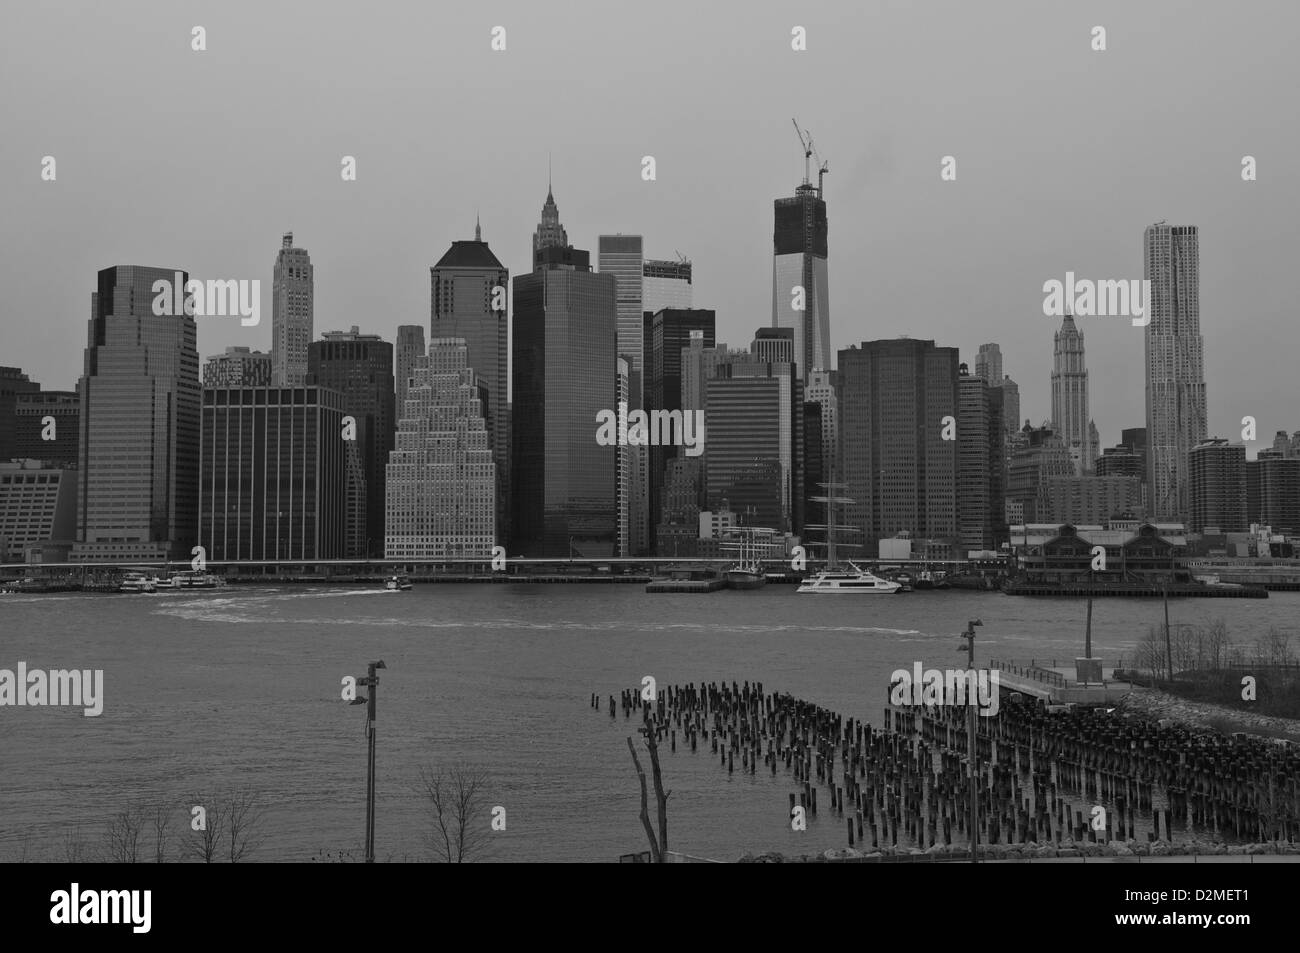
(241, 689)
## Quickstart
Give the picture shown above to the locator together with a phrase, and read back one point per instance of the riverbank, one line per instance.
(1204, 716)
(1127, 850)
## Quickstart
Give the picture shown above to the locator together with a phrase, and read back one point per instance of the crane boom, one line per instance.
(806, 143)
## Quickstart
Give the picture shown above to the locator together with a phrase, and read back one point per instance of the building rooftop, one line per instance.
(469, 254)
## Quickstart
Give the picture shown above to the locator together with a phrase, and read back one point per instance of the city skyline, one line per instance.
(883, 188)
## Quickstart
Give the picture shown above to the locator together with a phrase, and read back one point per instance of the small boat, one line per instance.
(137, 582)
(195, 579)
(851, 579)
(398, 584)
(904, 581)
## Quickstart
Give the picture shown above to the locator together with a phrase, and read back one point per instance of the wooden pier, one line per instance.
(1059, 780)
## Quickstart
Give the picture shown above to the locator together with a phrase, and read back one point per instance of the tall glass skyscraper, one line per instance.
(901, 473)
(360, 366)
(409, 353)
(291, 313)
(800, 262)
(139, 453)
(1175, 369)
(565, 361)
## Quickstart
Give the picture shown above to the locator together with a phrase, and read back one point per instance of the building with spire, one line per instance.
(1070, 420)
(291, 313)
(565, 351)
(800, 287)
(468, 301)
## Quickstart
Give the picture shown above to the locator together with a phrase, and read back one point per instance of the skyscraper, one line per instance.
(1070, 396)
(1216, 486)
(988, 364)
(669, 332)
(753, 449)
(564, 365)
(292, 321)
(974, 509)
(1011, 407)
(800, 289)
(468, 295)
(1273, 491)
(1175, 372)
(360, 367)
(666, 284)
(901, 473)
(36, 440)
(272, 480)
(409, 352)
(139, 468)
(623, 257)
(441, 499)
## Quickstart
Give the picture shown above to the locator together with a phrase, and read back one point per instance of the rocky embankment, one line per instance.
(1203, 715)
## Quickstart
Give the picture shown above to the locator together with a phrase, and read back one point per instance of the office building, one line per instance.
(408, 352)
(360, 367)
(139, 444)
(47, 427)
(1070, 417)
(292, 313)
(238, 367)
(272, 482)
(441, 479)
(902, 475)
(38, 509)
(1273, 491)
(565, 359)
(800, 283)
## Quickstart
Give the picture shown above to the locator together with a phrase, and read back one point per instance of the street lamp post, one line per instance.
(371, 681)
(969, 637)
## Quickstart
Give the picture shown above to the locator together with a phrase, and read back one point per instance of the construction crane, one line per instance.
(807, 143)
(824, 167)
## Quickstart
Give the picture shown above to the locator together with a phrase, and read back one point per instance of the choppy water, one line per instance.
(240, 688)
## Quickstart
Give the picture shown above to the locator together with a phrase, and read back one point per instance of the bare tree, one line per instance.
(122, 839)
(243, 822)
(160, 820)
(458, 802)
(75, 849)
(658, 847)
(205, 843)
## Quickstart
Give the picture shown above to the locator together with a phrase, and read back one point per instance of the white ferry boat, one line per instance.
(195, 579)
(851, 579)
(137, 582)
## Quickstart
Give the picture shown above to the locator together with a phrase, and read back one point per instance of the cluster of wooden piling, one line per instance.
(1065, 778)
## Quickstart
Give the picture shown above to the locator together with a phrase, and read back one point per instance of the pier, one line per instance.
(1064, 781)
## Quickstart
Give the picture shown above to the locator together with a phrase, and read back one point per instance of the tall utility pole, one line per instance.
(969, 637)
(371, 681)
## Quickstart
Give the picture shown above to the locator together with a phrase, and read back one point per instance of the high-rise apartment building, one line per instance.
(1273, 491)
(292, 313)
(1216, 486)
(139, 444)
(441, 475)
(1175, 370)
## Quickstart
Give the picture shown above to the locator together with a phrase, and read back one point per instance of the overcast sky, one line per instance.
(199, 160)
